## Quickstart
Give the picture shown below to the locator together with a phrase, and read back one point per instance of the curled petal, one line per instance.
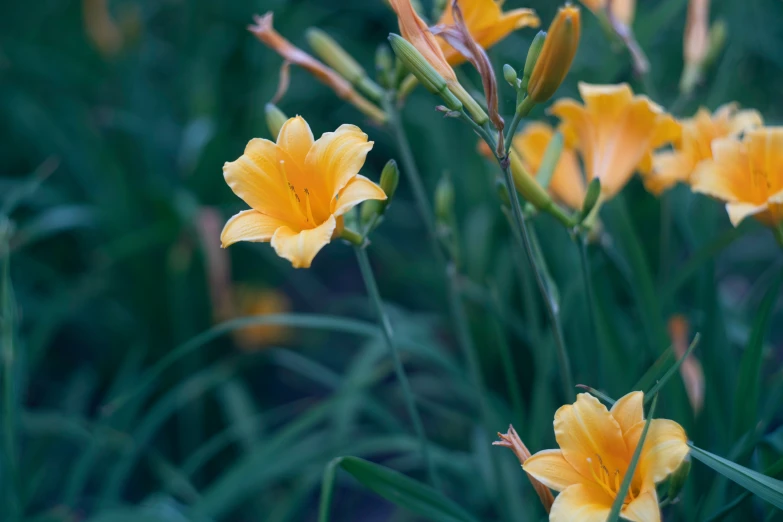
(552, 469)
(629, 410)
(643, 508)
(296, 139)
(583, 502)
(256, 178)
(665, 447)
(249, 225)
(301, 247)
(357, 190)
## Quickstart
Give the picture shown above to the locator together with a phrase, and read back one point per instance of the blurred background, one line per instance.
(117, 116)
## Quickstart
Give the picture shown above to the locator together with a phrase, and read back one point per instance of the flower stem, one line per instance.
(585, 262)
(523, 109)
(388, 337)
(550, 305)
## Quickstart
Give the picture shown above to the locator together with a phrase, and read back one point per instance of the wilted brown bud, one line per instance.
(264, 31)
(553, 63)
(512, 441)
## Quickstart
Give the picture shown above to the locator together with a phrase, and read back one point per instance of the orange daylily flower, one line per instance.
(747, 174)
(596, 448)
(690, 369)
(487, 23)
(528, 147)
(695, 145)
(298, 189)
(615, 132)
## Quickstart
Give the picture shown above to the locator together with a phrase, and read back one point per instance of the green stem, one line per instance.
(550, 305)
(585, 262)
(388, 337)
(411, 172)
(523, 109)
(512, 382)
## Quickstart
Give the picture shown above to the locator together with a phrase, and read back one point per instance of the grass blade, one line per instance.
(766, 488)
(617, 506)
(748, 391)
(671, 371)
(394, 487)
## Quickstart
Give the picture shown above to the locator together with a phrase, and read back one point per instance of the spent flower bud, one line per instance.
(430, 78)
(591, 198)
(275, 118)
(556, 55)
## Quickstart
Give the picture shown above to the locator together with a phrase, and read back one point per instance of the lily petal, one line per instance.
(357, 190)
(296, 139)
(629, 410)
(339, 156)
(739, 211)
(256, 178)
(643, 508)
(665, 447)
(552, 469)
(582, 502)
(249, 225)
(586, 432)
(301, 247)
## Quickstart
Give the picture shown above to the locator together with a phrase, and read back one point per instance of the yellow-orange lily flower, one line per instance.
(695, 145)
(623, 10)
(528, 147)
(298, 189)
(615, 132)
(487, 23)
(747, 174)
(258, 302)
(596, 448)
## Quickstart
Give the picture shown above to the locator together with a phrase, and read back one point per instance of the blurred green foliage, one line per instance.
(114, 150)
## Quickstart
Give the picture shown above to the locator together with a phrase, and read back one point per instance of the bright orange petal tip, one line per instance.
(298, 189)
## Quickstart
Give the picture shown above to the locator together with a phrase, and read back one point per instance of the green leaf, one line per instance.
(748, 391)
(394, 487)
(617, 506)
(765, 487)
(671, 371)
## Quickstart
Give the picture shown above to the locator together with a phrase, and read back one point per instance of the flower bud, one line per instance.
(532, 57)
(510, 75)
(275, 118)
(423, 71)
(390, 178)
(384, 66)
(337, 58)
(444, 200)
(370, 210)
(556, 55)
(591, 198)
(678, 478)
(718, 34)
(502, 190)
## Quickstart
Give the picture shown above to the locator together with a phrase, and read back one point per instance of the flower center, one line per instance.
(609, 481)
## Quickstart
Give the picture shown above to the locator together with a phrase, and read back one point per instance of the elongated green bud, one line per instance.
(370, 210)
(532, 57)
(384, 66)
(717, 38)
(390, 178)
(510, 75)
(502, 190)
(444, 200)
(678, 478)
(275, 119)
(431, 79)
(326, 48)
(591, 198)
(556, 55)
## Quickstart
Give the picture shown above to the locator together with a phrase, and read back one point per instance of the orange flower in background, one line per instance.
(690, 369)
(695, 145)
(622, 10)
(615, 132)
(487, 23)
(567, 183)
(101, 27)
(298, 189)
(265, 32)
(259, 302)
(747, 174)
(596, 448)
